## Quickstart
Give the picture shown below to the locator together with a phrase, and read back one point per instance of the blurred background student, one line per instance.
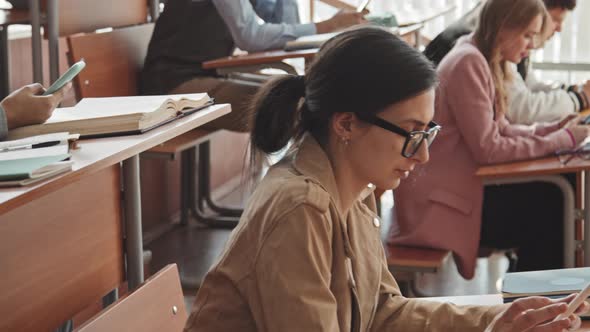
(443, 204)
(190, 32)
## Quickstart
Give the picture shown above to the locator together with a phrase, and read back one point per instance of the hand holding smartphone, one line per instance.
(576, 302)
(67, 77)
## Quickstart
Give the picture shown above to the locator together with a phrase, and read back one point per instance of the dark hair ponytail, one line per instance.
(276, 111)
(360, 71)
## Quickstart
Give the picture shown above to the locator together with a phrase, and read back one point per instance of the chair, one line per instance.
(157, 305)
(125, 49)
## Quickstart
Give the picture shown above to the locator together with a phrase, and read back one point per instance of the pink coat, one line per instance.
(440, 204)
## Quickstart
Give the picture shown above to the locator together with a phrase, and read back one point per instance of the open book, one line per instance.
(113, 116)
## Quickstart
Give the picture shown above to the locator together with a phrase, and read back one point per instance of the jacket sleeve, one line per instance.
(528, 106)
(3, 124)
(250, 34)
(294, 268)
(397, 313)
(470, 101)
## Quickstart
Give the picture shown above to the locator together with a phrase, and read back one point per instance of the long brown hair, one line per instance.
(498, 16)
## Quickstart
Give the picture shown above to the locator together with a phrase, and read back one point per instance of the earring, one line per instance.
(345, 140)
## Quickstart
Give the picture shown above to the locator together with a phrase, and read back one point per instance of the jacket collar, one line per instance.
(312, 161)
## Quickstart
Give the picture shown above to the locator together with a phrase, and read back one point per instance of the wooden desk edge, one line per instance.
(258, 58)
(70, 177)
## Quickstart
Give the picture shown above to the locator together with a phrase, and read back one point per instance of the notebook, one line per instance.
(552, 283)
(22, 172)
(114, 116)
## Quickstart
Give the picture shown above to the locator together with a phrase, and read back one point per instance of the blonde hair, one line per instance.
(496, 17)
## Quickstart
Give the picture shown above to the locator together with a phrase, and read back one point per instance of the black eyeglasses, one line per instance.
(414, 139)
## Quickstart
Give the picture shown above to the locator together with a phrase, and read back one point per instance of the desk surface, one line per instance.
(96, 154)
(486, 300)
(14, 16)
(544, 166)
(260, 58)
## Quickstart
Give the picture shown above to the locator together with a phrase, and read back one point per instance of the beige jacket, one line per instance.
(295, 263)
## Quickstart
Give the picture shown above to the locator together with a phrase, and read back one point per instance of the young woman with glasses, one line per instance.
(440, 206)
(307, 254)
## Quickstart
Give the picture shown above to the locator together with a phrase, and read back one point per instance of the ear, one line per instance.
(343, 124)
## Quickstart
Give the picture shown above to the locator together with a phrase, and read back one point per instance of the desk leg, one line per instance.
(52, 27)
(569, 241)
(586, 218)
(35, 13)
(417, 42)
(5, 63)
(134, 238)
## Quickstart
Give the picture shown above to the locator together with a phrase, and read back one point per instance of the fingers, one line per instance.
(519, 306)
(575, 322)
(583, 308)
(35, 89)
(59, 94)
(554, 326)
(533, 317)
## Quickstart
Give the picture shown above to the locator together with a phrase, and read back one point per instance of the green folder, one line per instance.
(22, 169)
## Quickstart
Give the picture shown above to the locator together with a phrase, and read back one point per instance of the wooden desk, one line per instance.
(254, 61)
(422, 18)
(62, 241)
(8, 17)
(492, 299)
(548, 170)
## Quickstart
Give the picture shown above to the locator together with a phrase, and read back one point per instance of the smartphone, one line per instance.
(363, 6)
(67, 77)
(576, 302)
(586, 120)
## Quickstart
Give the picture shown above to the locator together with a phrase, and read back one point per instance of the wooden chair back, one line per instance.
(157, 305)
(113, 60)
(77, 16)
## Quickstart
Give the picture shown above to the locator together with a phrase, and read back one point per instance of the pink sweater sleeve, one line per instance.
(470, 100)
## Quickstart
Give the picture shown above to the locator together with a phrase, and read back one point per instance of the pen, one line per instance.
(29, 146)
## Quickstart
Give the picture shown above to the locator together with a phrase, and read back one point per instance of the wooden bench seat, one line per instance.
(183, 142)
(413, 259)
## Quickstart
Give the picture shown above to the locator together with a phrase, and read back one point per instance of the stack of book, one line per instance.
(30, 160)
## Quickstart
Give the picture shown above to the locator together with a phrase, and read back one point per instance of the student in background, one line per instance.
(26, 106)
(307, 254)
(531, 100)
(440, 206)
(190, 32)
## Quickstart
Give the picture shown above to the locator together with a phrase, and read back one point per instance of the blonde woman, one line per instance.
(440, 205)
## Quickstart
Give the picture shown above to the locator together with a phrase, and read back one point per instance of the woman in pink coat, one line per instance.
(440, 205)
